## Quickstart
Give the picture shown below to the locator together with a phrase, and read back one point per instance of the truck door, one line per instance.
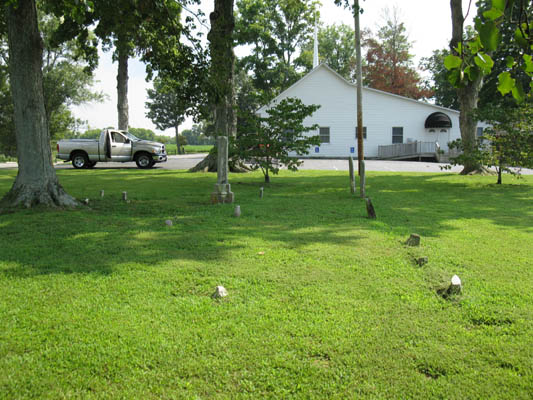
(120, 147)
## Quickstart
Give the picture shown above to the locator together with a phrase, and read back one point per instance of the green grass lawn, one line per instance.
(189, 148)
(109, 302)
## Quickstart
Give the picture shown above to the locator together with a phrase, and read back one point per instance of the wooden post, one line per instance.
(362, 179)
(352, 175)
(359, 78)
(370, 209)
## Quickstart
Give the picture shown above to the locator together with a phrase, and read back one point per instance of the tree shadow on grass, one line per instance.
(297, 210)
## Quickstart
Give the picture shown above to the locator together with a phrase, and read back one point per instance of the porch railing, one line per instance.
(407, 149)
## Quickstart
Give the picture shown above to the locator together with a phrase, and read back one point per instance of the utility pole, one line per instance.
(359, 77)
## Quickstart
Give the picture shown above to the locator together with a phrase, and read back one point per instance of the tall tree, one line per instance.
(151, 29)
(467, 91)
(471, 59)
(121, 26)
(171, 100)
(389, 65)
(275, 30)
(222, 91)
(36, 181)
(66, 81)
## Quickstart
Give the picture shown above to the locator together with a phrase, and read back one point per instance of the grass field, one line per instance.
(189, 148)
(109, 302)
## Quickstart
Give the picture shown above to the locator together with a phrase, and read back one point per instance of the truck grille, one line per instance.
(163, 149)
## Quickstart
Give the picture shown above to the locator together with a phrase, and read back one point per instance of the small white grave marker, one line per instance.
(220, 291)
(455, 285)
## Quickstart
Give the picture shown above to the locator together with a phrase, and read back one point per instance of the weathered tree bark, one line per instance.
(122, 88)
(467, 95)
(36, 182)
(222, 91)
(178, 145)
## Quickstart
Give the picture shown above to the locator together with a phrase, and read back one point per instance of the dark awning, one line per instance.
(438, 120)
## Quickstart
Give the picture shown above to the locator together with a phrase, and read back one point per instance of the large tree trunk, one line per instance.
(222, 91)
(36, 182)
(122, 88)
(467, 96)
(178, 145)
(222, 66)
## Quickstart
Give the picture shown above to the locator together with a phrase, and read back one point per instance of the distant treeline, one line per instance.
(193, 136)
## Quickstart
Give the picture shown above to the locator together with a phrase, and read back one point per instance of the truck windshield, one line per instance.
(132, 137)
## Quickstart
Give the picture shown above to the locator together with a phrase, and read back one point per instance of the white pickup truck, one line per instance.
(113, 145)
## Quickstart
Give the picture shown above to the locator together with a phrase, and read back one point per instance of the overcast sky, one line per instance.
(428, 24)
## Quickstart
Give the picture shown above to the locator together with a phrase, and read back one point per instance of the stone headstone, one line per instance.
(220, 291)
(222, 192)
(455, 285)
(101, 193)
(422, 261)
(414, 240)
(168, 222)
(125, 196)
(237, 212)
(261, 192)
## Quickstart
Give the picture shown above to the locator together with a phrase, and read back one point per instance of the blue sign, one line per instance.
(317, 149)
(352, 149)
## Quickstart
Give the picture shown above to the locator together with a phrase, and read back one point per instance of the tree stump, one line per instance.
(414, 240)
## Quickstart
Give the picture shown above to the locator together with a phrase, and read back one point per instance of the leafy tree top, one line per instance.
(472, 57)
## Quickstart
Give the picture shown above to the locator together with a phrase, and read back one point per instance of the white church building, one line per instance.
(394, 126)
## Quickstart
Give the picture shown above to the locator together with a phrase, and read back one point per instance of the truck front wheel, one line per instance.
(144, 160)
(80, 160)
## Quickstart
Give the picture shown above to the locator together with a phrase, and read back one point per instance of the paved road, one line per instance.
(187, 161)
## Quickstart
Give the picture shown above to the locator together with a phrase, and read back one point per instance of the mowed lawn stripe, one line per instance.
(110, 302)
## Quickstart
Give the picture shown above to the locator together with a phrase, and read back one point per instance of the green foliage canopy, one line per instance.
(275, 30)
(336, 47)
(498, 23)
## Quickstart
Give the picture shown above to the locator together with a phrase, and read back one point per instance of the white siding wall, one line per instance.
(381, 112)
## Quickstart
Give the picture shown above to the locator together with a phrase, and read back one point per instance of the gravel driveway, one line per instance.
(187, 161)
